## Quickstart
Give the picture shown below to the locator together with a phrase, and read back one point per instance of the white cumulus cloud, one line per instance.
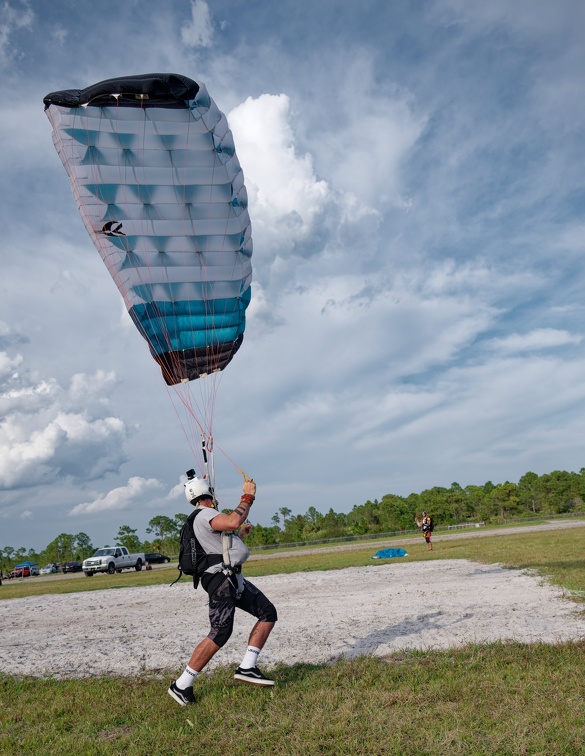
(177, 491)
(118, 498)
(284, 191)
(199, 31)
(48, 431)
(8, 365)
(86, 389)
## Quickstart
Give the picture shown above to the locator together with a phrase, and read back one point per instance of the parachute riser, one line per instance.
(208, 462)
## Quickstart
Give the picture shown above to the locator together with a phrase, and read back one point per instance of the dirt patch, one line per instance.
(322, 615)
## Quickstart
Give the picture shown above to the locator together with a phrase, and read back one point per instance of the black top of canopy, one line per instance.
(161, 90)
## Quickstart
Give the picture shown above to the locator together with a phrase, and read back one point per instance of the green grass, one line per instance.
(494, 699)
(482, 699)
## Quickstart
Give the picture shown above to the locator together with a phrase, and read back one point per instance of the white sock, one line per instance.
(187, 678)
(250, 658)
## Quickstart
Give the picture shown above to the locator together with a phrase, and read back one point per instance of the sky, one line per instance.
(415, 173)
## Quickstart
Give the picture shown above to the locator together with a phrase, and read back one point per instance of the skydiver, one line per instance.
(427, 525)
(227, 592)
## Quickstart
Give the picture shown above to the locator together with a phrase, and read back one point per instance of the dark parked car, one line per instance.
(157, 558)
(71, 567)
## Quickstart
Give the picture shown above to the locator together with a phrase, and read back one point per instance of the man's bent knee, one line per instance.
(221, 635)
(268, 614)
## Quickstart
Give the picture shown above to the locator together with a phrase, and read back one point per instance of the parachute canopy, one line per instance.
(389, 553)
(153, 169)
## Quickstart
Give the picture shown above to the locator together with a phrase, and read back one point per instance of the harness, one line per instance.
(226, 535)
(226, 542)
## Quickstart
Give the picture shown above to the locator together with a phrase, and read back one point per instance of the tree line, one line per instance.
(554, 493)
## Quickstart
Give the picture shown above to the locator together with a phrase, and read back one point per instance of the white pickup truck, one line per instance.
(112, 560)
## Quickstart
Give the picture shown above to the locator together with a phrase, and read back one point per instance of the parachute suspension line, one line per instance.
(231, 461)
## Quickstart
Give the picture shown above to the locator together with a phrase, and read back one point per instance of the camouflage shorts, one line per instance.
(223, 602)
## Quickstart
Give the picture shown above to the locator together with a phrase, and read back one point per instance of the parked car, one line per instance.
(113, 559)
(72, 567)
(25, 569)
(157, 558)
(50, 569)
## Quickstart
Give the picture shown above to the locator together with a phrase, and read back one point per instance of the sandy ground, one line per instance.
(322, 615)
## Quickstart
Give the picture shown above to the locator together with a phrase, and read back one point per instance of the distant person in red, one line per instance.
(426, 524)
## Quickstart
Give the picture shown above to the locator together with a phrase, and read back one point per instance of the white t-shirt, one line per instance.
(210, 539)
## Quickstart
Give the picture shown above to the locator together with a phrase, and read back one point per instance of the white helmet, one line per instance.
(196, 489)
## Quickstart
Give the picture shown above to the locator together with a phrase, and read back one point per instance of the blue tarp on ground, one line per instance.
(389, 553)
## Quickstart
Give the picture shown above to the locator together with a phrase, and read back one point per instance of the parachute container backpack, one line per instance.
(153, 169)
(193, 560)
